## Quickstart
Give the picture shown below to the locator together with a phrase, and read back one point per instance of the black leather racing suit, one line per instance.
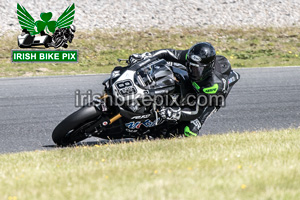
(195, 117)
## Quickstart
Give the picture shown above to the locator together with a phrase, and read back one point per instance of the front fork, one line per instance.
(114, 118)
(99, 126)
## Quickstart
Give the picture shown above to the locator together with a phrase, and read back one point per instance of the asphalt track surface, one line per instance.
(30, 108)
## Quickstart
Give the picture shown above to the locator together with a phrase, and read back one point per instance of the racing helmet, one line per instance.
(200, 61)
(73, 28)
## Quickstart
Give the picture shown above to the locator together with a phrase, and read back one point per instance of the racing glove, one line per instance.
(138, 57)
(169, 113)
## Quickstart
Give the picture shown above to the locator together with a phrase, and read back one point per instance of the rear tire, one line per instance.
(72, 129)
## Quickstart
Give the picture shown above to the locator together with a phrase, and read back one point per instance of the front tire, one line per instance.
(72, 129)
(58, 43)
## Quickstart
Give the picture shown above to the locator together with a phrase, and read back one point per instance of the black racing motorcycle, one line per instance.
(127, 108)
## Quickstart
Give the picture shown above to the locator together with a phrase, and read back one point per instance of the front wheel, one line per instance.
(58, 42)
(72, 129)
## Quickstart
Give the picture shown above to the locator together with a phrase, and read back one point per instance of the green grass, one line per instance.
(99, 50)
(251, 165)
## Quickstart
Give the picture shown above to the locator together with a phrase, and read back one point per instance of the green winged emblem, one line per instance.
(35, 27)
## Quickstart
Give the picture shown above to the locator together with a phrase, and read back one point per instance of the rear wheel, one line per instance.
(72, 129)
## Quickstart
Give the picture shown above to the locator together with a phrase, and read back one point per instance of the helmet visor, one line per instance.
(198, 71)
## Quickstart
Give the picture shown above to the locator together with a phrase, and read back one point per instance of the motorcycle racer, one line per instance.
(136, 99)
(209, 75)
